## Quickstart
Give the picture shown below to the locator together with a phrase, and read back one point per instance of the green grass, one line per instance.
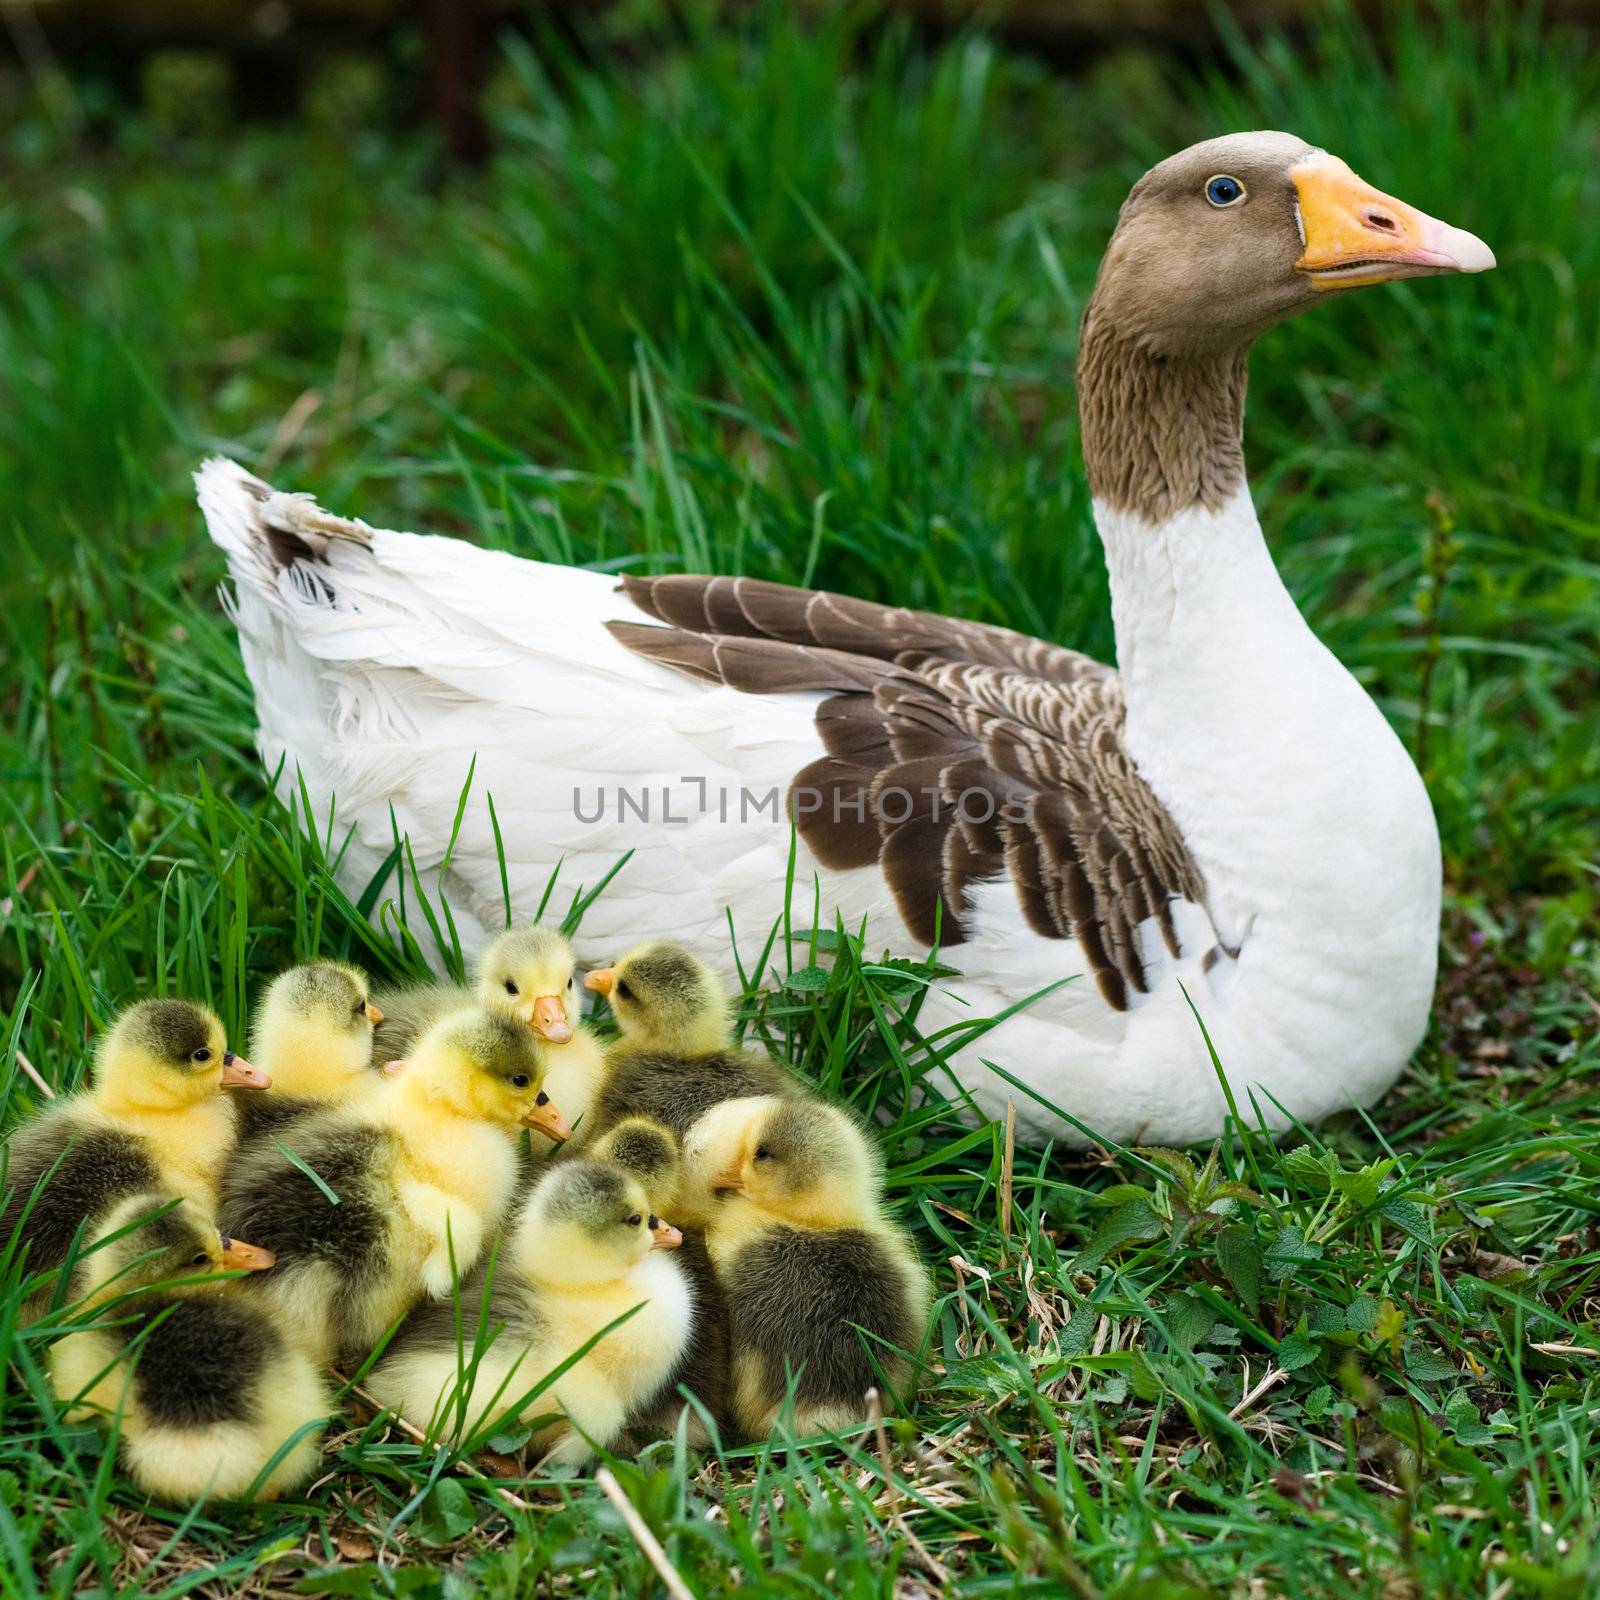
(802, 303)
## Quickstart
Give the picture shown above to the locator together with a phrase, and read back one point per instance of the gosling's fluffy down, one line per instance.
(423, 1172)
(313, 1038)
(530, 974)
(650, 1153)
(201, 1384)
(807, 1258)
(675, 1059)
(154, 1118)
(583, 1253)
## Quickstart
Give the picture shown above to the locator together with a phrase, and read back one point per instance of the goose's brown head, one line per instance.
(1214, 246)
(1219, 242)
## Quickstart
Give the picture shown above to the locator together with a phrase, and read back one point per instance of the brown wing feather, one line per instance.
(753, 607)
(956, 753)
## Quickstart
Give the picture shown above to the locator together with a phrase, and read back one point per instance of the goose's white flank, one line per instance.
(1225, 825)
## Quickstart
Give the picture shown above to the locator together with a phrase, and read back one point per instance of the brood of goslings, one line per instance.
(154, 1118)
(530, 974)
(581, 1256)
(386, 1200)
(676, 1057)
(1227, 822)
(651, 1154)
(313, 1038)
(204, 1388)
(826, 1295)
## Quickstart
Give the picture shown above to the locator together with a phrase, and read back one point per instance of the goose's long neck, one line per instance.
(1161, 433)
(1299, 804)
(1197, 603)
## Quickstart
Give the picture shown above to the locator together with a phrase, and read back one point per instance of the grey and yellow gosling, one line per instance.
(807, 1257)
(675, 1058)
(203, 1386)
(650, 1153)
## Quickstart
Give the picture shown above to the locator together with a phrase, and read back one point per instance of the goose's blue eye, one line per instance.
(1224, 191)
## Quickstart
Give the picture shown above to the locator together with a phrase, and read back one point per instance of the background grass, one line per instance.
(801, 302)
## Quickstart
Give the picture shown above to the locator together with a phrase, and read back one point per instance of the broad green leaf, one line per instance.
(1143, 1378)
(1239, 1252)
(1465, 1422)
(1428, 1366)
(1315, 1169)
(1408, 1216)
(1078, 1333)
(1363, 1313)
(1130, 1223)
(1298, 1349)
(1188, 1320)
(508, 1441)
(446, 1515)
(1361, 1189)
(1176, 1164)
(1288, 1250)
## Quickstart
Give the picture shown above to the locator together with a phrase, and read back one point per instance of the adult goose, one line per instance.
(1225, 825)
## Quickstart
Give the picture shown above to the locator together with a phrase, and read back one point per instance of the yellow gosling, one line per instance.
(153, 1118)
(584, 1253)
(404, 1187)
(529, 973)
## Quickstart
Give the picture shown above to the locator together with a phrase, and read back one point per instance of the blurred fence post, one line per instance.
(455, 50)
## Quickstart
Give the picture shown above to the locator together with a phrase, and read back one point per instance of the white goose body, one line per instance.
(1232, 829)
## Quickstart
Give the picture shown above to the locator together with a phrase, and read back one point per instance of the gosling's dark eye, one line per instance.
(520, 1080)
(201, 1055)
(624, 991)
(762, 1153)
(1224, 191)
(633, 1221)
(511, 988)
(201, 1260)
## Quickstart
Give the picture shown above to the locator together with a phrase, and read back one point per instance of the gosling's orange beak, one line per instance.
(663, 1236)
(550, 1019)
(390, 1068)
(602, 980)
(241, 1257)
(732, 1178)
(374, 1015)
(1355, 234)
(237, 1073)
(546, 1118)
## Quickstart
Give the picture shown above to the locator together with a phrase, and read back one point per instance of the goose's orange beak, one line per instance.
(374, 1015)
(602, 980)
(238, 1256)
(1355, 234)
(550, 1019)
(663, 1236)
(732, 1178)
(390, 1068)
(546, 1118)
(237, 1073)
